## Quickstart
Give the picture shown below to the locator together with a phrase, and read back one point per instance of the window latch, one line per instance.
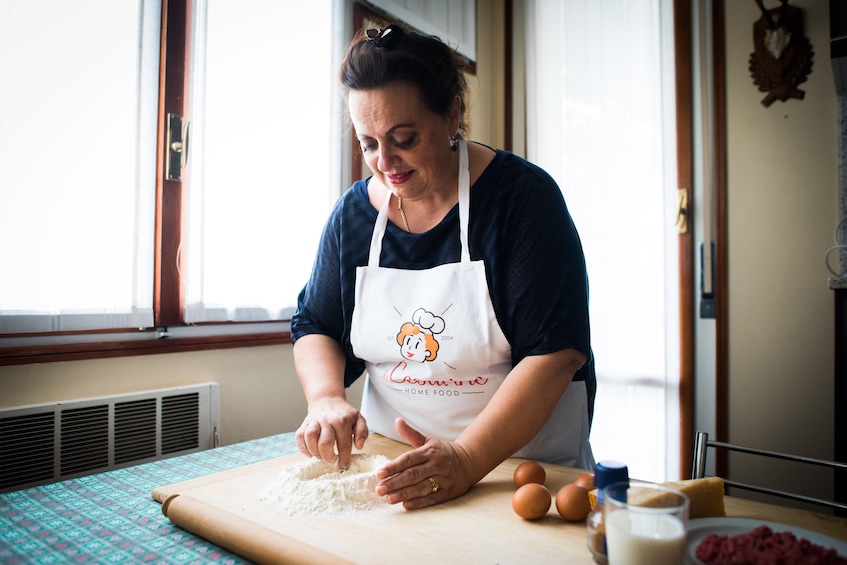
(682, 210)
(176, 150)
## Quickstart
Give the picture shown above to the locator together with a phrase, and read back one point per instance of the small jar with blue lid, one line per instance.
(605, 473)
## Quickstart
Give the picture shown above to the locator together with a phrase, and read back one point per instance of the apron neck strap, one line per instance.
(464, 211)
(464, 199)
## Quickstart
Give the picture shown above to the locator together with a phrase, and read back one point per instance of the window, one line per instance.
(264, 110)
(87, 242)
(77, 164)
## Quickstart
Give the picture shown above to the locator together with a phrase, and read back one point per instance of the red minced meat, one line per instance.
(764, 547)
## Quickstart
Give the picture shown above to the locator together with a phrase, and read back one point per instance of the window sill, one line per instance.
(74, 347)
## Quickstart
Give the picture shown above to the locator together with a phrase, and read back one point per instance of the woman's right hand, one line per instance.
(330, 430)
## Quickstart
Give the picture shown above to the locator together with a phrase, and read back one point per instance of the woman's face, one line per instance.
(404, 143)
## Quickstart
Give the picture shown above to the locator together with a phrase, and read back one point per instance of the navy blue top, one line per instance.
(519, 227)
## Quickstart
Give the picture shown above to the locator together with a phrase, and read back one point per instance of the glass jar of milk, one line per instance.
(645, 523)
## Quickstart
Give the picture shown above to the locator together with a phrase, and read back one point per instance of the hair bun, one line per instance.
(385, 38)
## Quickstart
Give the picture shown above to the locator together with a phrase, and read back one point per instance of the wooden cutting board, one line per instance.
(480, 527)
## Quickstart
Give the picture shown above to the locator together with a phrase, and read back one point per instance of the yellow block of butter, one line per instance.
(705, 496)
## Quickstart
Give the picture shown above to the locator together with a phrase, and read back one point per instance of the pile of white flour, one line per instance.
(316, 487)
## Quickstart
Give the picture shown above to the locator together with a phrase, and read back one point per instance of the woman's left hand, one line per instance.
(434, 471)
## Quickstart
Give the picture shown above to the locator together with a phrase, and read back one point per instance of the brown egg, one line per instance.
(531, 501)
(586, 481)
(529, 472)
(572, 503)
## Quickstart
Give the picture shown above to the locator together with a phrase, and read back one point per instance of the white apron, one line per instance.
(435, 353)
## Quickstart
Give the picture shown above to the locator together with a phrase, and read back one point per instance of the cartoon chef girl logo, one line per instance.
(417, 338)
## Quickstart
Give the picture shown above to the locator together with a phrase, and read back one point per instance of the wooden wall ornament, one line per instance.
(782, 56)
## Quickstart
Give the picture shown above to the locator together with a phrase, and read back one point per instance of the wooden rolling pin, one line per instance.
(241, 536)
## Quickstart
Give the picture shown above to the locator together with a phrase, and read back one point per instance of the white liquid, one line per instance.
(644, 539)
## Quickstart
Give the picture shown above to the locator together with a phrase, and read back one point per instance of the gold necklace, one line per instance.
(403, 214)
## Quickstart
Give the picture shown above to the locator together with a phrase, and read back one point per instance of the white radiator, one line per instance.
(50, 442)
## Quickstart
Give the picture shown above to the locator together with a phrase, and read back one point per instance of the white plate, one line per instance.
(702, 527)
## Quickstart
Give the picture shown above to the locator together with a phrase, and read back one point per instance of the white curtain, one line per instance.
(264, 164)
(77, 164)
(600, 115)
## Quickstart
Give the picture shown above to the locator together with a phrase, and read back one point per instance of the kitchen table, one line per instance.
(113, 518)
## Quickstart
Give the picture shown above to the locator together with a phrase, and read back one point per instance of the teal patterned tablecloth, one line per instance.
(112, 518)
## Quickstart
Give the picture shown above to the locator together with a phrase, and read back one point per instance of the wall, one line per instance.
(260, 393)
(783, 208)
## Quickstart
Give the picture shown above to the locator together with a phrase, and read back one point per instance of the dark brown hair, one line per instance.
(378, 58)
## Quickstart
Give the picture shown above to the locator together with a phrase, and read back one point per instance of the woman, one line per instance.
(455, 277)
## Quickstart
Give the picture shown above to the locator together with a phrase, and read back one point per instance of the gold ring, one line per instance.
(434, 485)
